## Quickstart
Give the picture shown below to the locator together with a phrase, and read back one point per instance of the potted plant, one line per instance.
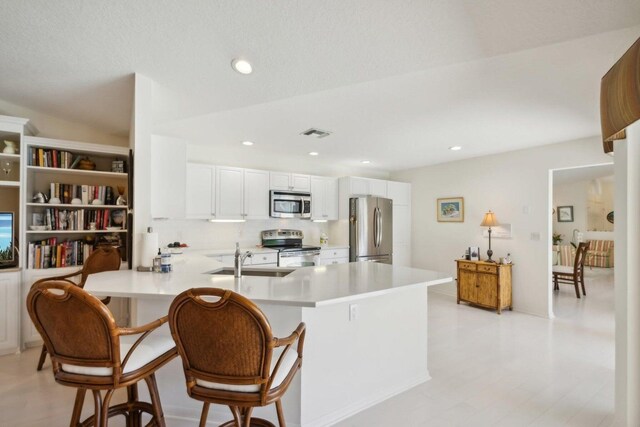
(557, 238)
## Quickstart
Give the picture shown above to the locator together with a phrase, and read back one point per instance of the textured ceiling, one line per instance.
(73, 58)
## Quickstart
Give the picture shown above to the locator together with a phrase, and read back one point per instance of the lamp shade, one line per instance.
(489, 220)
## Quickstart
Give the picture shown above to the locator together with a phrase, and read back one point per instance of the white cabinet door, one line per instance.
(358, 186)
(9, 312)
(318, 198)
(229, 193)
(280, 181)
(331, 199)
(168, 177)
(402, 255)
(256, 194)
(300, 182)
(399, 192)
(378, 187)
(200, 191)
(401, 225)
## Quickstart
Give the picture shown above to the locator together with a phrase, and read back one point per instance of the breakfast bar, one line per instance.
(366, 330)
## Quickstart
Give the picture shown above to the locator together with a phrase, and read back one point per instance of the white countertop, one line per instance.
(305, 287)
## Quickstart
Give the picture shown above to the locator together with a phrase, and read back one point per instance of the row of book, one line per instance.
(85, 193)
(80, 219)
(51, 254)
(52, 158)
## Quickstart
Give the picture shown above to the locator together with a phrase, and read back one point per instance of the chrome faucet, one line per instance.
(239, 259)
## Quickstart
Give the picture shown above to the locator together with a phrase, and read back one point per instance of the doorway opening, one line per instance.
(582, 200)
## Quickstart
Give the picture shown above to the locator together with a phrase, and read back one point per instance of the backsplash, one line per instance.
(202, 234)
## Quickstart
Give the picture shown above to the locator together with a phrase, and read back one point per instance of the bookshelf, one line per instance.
(84, 181)
(11, 129)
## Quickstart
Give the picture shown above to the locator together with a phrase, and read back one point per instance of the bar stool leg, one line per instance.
(97, 404)
(155, 400)
(134, 416)
(104, 411)
(43, 356)
(205, 413)
(281, 420)
(77, 407)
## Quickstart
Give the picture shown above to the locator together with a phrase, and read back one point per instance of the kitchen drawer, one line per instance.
(264, 258)
(488, 269)
(329, 261)
(334, 253)
(467, 266)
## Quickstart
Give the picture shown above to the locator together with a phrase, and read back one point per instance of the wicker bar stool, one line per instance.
(90, 352)
(103, 258)
(227, 350)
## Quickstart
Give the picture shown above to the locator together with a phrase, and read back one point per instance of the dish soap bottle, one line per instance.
(324, 239)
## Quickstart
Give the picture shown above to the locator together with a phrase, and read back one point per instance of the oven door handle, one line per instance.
(298, 254)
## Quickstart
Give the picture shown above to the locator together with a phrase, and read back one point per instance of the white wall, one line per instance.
(53, 127)
(627, 277)
(516, 186)
(578, 194)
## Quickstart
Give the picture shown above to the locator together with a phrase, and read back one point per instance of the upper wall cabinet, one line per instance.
(324, 198)
(229, 193)
(399, 192)
(241, 193)
(256, 194)
(356, 186)
(289, 181)
(168, 178)
(201, 202)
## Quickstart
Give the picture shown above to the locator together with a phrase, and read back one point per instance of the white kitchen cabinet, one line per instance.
(402, 255)
(330, 256)
(200, 193)
(262, 259)
(256, 194)
(378, 187)
(401, 224)
(168, 177)
(286, 181)
(324, 198)
(10, 304)
(229, 193)
(399, 192)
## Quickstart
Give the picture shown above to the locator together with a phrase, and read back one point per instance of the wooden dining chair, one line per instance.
(572, 275)
(90, 352)
(227, 350)
(103, 258)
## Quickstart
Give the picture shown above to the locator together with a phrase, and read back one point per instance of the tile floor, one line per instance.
(488, 370)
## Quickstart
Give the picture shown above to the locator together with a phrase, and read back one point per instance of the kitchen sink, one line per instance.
(261, 272)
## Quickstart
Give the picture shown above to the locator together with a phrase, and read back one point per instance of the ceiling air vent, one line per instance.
(316, 133)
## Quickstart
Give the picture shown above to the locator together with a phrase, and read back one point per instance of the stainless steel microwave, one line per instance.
(290, 204)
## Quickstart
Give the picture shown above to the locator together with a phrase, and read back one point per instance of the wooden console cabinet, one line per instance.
(485, 284)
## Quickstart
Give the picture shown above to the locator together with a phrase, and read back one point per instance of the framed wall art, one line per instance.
(450, 209)
(565, 213)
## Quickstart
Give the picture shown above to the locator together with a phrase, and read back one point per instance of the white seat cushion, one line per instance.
(564, 269)
(287, 363)
(152, 347)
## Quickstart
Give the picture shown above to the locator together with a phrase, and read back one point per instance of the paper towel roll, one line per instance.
(148, 248)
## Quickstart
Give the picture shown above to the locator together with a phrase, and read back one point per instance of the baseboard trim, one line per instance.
(353, 409)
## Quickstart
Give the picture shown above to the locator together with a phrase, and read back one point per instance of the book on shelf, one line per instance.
(50, 253)
(80, 219)
(51, 158)
(85, 193)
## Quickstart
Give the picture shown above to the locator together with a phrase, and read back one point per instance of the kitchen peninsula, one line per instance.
(366, 330)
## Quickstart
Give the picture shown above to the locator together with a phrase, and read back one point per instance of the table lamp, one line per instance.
(489, 220)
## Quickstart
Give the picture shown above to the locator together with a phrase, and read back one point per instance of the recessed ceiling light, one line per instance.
(247, 143)
(455, 148)
(241, 66)
(313, 153)
(365, 162)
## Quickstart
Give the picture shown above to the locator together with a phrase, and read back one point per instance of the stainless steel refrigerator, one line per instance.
(370, 229)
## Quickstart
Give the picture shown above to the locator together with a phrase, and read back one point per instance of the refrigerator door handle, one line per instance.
(375, 227)
(379, 227)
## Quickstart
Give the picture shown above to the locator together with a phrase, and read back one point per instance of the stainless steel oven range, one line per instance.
(291, 252)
